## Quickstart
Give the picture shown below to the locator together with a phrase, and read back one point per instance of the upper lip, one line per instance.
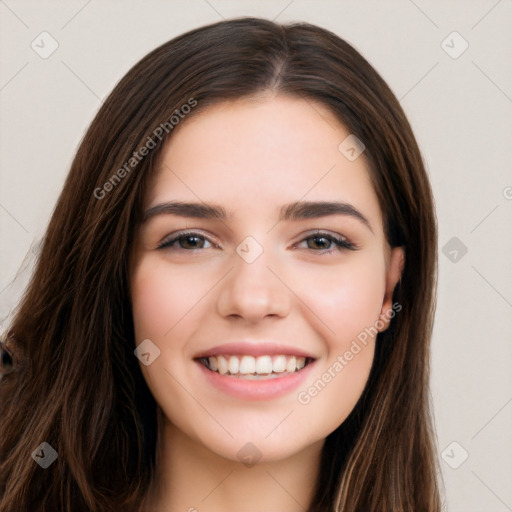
(253, 348)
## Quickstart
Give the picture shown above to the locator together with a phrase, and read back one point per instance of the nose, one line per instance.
(253, 291)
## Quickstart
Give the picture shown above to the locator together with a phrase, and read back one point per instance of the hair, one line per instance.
(77, 384)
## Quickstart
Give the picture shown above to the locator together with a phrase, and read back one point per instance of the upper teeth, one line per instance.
(260, 365)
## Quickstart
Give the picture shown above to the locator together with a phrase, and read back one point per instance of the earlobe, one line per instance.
(393, 276)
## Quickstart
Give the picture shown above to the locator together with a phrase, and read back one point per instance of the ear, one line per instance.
(393, 275)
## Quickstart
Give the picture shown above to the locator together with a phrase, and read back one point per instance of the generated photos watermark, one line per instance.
(151, 142)
(304, 397)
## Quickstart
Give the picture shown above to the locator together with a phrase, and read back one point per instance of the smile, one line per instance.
(262, 377)
(255, 368)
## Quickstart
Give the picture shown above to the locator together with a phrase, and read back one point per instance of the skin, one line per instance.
(251, 157)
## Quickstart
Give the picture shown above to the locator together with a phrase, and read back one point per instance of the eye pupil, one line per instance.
(188, 238)
(316, 238)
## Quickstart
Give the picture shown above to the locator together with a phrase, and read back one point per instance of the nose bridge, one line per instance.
(251, 290)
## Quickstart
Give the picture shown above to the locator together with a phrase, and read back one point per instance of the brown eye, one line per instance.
(186, 241)
(322, 243)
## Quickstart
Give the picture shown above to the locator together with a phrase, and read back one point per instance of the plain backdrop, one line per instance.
(456, 90)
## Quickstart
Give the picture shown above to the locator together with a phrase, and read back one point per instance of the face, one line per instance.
(261, 318)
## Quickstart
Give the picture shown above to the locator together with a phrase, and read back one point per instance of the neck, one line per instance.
(191, 478)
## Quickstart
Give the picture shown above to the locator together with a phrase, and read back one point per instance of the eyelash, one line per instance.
(340, 243)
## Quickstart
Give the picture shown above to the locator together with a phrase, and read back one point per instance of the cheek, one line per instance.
(347, 299)
(162, 296)
(166, 306)
(348, 302)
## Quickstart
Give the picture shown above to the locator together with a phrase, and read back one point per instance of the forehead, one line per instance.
(255, 155)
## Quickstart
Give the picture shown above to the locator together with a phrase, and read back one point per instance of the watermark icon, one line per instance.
(45, 455)
(249, 454)
(147, 352)
(249, 249)
(455, 455)
(454, 45)
(44, 45)
(507, 193)
(304, 397)
(351, 147)
(454, 249)
(137, 156)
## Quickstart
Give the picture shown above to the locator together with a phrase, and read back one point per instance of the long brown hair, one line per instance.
(78, 385)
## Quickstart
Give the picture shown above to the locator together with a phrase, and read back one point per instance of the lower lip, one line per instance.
(261, 389)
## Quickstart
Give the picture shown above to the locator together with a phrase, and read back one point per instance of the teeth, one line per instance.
(263, 365)
(279, 364)
(234, 365)
(247, 365)
(291, 364)
(252, 367)
(222, 365)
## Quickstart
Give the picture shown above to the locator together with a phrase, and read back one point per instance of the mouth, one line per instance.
(254, 369)
(262, 367)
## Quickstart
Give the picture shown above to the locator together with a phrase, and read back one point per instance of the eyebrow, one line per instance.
(297, 210)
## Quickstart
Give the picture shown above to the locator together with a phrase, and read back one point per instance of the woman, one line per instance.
(187, 342)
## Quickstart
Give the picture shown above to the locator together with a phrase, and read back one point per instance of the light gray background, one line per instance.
(461, 112)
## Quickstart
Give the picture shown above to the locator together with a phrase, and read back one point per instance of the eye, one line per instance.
(187, 241)
(322, 243)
